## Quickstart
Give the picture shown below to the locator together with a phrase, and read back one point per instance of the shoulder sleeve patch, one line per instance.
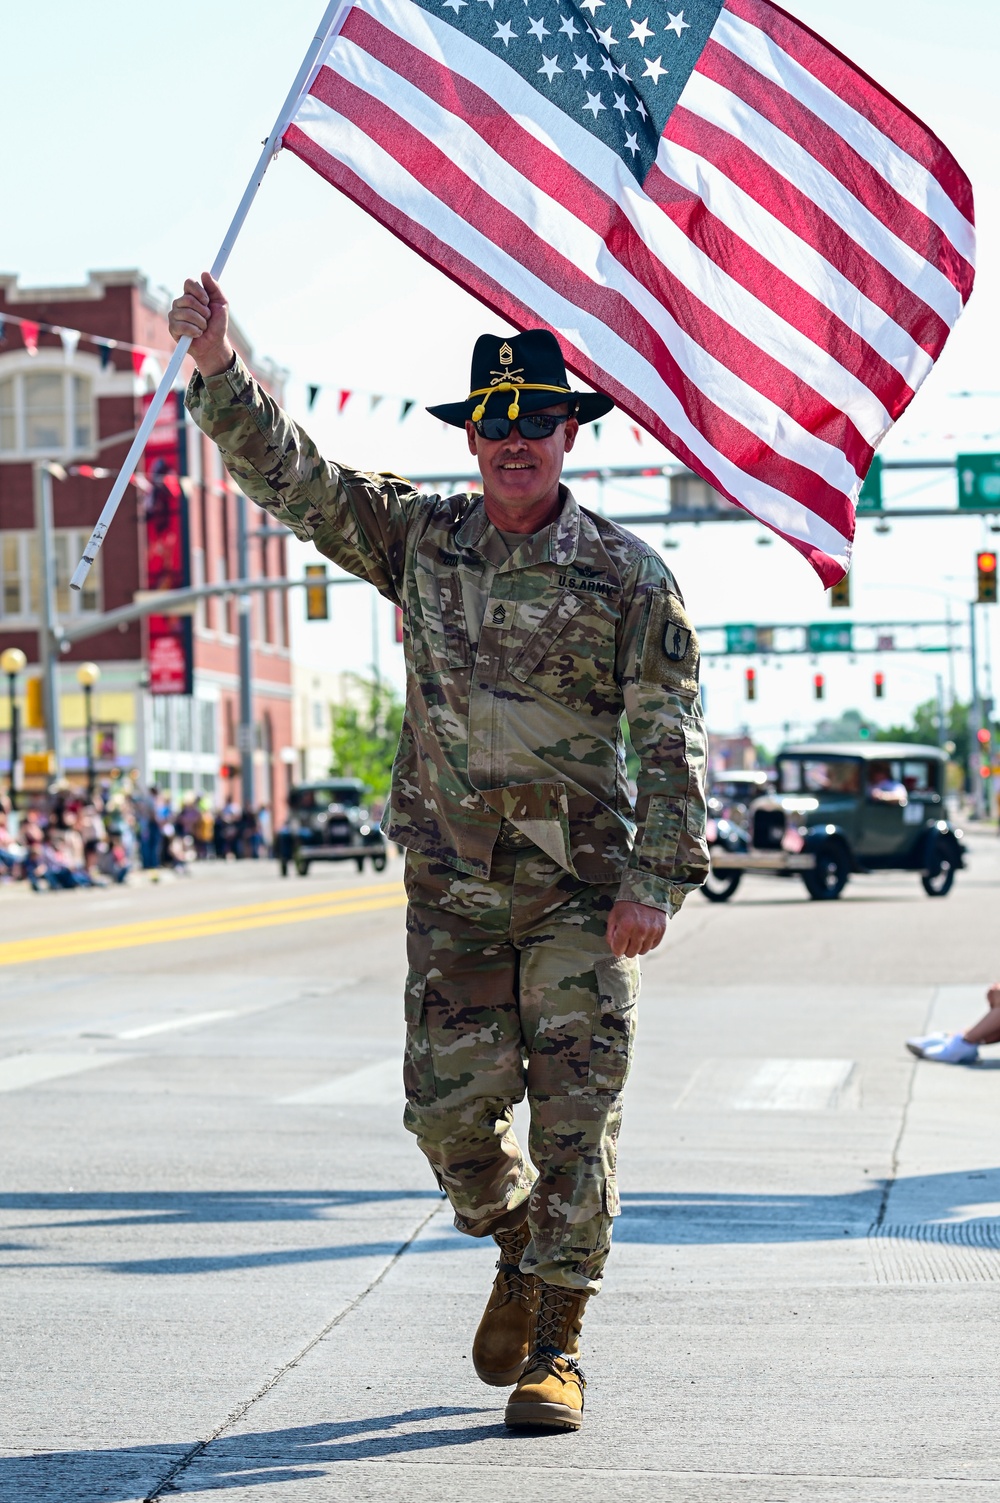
(670, 653)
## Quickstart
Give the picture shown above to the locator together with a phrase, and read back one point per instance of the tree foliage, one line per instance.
(366, 733)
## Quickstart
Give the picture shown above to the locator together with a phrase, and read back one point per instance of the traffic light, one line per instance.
(317, 598)
(986, 571)
(819, 686)
(880, 686)
(983, 737)
(226, 771)
(751, 682)
(840, 593)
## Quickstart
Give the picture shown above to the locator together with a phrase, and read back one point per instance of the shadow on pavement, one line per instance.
(934, 1200)
(238, 1461)
(654, 1216)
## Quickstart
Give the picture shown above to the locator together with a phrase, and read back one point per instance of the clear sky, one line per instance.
(130, 131)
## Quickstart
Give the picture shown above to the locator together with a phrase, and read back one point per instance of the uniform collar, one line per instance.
(556, 544)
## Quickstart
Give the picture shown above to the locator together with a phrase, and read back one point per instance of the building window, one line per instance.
(161, 723)
(20, 585)
(46, 412)
(207, 732)
(317, 715)
(182, 723)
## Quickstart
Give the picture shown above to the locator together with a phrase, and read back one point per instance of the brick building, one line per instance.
(63, 394)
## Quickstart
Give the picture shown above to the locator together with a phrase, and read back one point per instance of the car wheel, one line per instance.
(720, 886)
(829, 876)
(940, 874)
(378, 862)
(302, 866)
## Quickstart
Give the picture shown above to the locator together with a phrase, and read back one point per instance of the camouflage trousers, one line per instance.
(512, 988)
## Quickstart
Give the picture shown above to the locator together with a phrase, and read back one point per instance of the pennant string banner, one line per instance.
(31, 328)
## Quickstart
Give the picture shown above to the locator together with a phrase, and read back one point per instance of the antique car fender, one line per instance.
(818, 836)
(938, 839)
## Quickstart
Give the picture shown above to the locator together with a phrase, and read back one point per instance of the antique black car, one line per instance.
(329, 821)
(839, 809)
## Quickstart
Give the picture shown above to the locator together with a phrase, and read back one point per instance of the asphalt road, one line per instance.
(226, 1270)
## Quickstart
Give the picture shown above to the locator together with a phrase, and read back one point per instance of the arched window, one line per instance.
(46, 411)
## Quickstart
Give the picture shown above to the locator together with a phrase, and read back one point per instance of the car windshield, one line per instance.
(819, 775)
(308, 799)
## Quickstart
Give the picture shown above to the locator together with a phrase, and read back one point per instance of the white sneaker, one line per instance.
(949, 1049)
(917, 1046)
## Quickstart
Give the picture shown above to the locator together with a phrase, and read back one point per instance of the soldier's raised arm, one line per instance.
(659, 661)
(357, 519)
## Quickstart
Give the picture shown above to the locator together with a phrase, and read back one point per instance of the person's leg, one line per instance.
(578, 1012)
(987, 1030)
(578, 1008)
(464, 1064)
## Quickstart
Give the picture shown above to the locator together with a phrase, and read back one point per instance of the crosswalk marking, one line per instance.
(22, 1070)
(771, 1085)
(379, 1084)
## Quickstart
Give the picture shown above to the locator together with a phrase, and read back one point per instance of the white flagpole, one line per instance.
(332, 17)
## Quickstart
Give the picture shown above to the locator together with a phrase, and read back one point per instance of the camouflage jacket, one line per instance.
(519, 667)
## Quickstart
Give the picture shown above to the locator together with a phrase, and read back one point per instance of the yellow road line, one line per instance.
(197, 926)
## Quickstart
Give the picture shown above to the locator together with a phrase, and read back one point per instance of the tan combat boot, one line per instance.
(503, 1340)
(549, 1395)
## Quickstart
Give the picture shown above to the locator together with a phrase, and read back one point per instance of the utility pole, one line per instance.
(244, 732)
(975, 720)
(48, 645)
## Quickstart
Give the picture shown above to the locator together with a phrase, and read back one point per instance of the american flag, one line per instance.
(731, 229)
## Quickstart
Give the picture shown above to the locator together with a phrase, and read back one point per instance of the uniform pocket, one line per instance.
(418, 1066)
(556, 618)
(665, 818)
(614, 1022)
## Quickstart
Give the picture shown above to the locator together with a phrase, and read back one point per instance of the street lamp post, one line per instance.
(87, 676)
(13, 662)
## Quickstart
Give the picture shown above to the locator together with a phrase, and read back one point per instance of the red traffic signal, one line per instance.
(986, 578)
(880, 686)
(751, 683)
(819, 686)
(983, 737)
(225, 771)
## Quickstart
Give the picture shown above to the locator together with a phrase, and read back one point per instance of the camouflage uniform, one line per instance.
(510, 795)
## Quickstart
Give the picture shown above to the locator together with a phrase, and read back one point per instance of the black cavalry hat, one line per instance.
(528, 370)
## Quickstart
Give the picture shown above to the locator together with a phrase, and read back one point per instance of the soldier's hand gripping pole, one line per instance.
(311, 63)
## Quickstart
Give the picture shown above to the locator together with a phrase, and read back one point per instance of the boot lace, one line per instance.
(519, 1286)
(548, 1353)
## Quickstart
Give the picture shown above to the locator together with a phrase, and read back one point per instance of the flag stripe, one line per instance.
(858, 176)
(739, 417)
(720, 107)
(704, 298)
(774, 286)
(515, 291)
(900, 326)
(868, 98)
(910, 179)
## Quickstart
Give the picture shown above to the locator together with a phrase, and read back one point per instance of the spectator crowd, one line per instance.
(70, 839)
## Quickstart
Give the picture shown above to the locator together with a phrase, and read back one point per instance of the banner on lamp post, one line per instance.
(168, 553)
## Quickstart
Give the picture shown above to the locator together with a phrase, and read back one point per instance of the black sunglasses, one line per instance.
(530, 425)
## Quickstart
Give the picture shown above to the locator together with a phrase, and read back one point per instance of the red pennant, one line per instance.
(637, 435)
(138, 361)
(29, 333)
(345, 397)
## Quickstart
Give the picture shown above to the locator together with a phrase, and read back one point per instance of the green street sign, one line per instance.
(870, 497)
(741, 638)
(830, 637)
(978, 481)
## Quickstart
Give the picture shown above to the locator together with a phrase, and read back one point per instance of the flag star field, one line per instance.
(731, 230)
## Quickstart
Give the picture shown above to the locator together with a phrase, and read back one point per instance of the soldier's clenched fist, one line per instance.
(202, 313)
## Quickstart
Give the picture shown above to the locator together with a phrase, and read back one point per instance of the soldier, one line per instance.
(533, 881)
